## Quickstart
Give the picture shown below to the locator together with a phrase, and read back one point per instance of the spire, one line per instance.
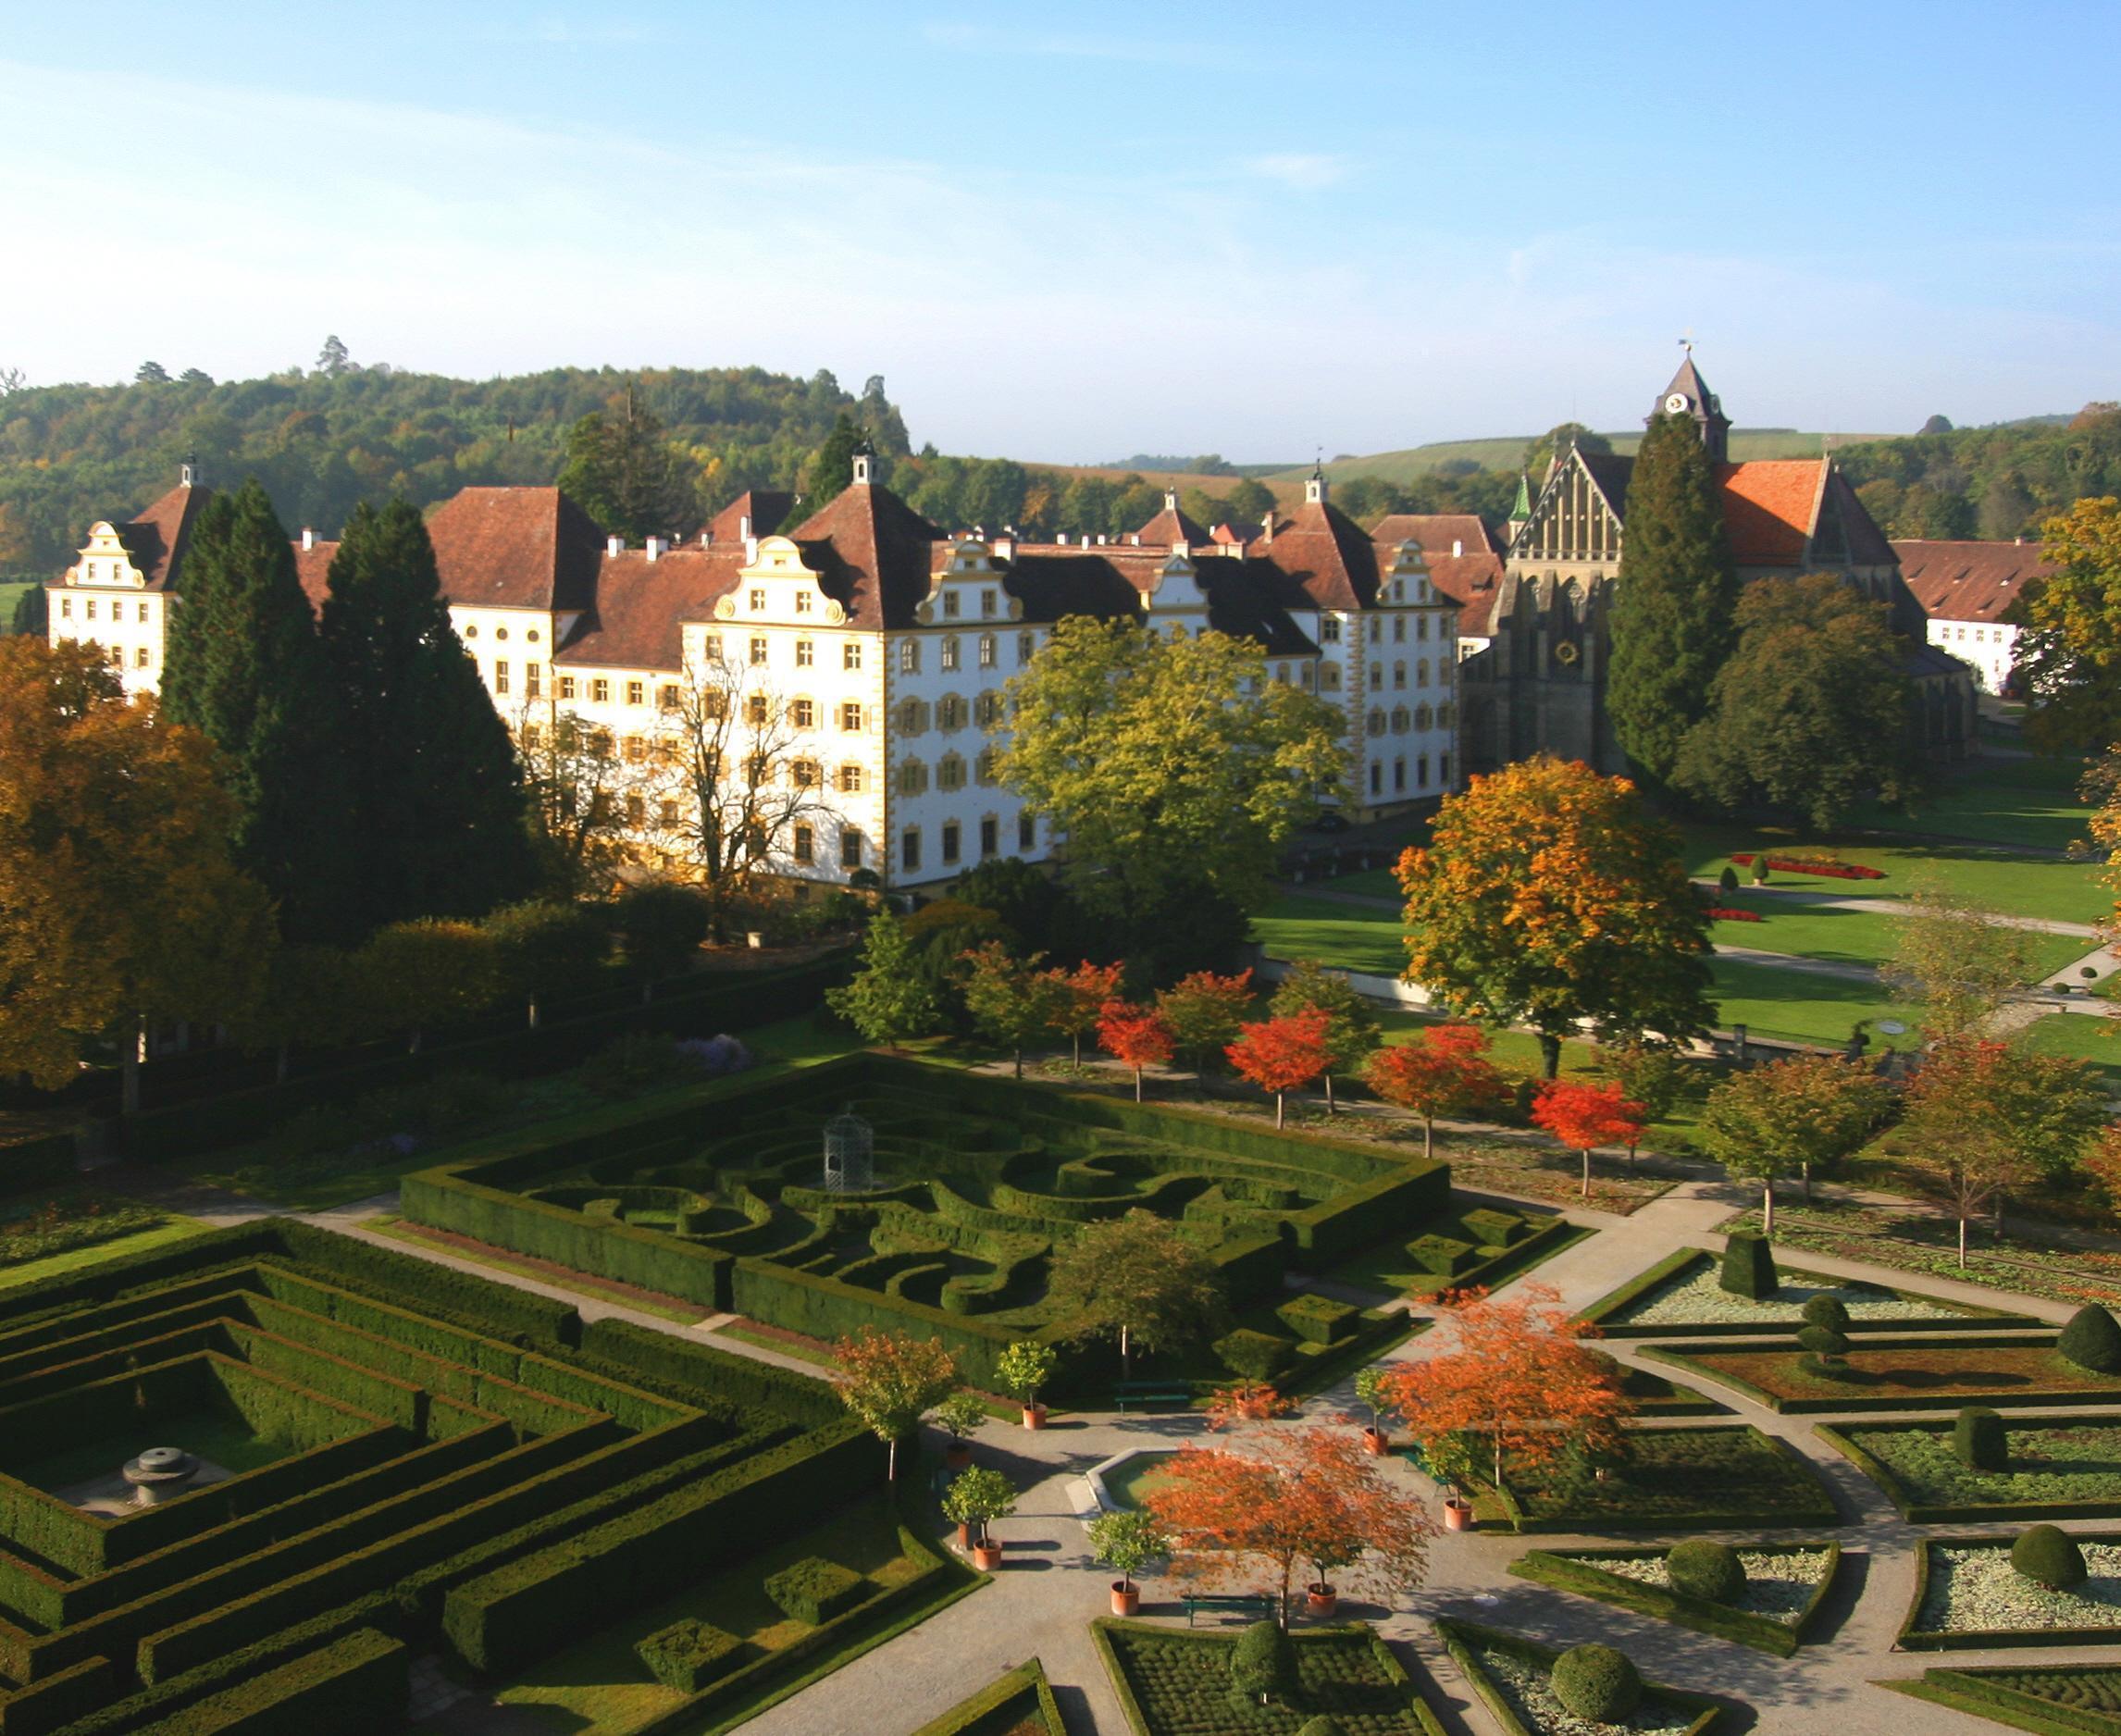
(1689, 395)
(1521, 508)
(1315, 485)
(865, 465)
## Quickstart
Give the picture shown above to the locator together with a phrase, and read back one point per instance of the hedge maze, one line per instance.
(719, 1202)
(415, 1461)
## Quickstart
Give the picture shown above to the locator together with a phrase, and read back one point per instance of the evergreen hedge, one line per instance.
(1748, 1265)
(2091, 1340)
(814, 1590)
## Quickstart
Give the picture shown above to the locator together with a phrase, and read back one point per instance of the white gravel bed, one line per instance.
(1977, 1590)
(1696, 1298)
(1778, 1585)
(1524, 1686)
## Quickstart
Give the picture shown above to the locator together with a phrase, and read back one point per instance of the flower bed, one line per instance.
(1680, 1296)
(1831, 867)
(1969, 1595)
(2058, 1470)
(1174, 1682)
(1784, 1586)
(1674, 1479)
(1510, 1676)
(1914, 1375)
(1718, 913)
(2084, 1698)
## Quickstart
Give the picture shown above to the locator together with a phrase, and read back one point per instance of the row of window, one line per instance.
(756, 599)
(1980, 633)
(500, 633)
(912, 717)
(950, 772)
(1421, 774)
(953, 840)
(950, 651)
(116, 609)
(1399, 674)
(1401, 719)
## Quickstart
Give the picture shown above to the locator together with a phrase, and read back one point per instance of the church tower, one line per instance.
(1689, 395)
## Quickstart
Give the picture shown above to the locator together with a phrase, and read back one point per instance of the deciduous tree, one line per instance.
(1804, 1112)
(660, 925)
(889, 998)
(1549, 895)
(431, 972)
(1098, 720)
(1086, 990)
(1958, 958)
(891, 1381)
(1203, 1012)
(544, 949)
(1011, 1001)
(1811, 712)
(2070, 649)
(1284, 1054)
(575, 785)
(1675, 600)
(1351, 1022)
(1584, 1116)
(1442, 1071)
(1137, 1279)
(1654, 1074)
(121, 901)
(1302, 1495)
(1137, 1036)
(1519, 1378)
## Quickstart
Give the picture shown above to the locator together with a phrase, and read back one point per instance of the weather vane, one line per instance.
(1686, 344)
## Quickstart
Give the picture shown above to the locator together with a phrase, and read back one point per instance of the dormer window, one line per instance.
(1329, 630)
(949, 605)
(758, 601)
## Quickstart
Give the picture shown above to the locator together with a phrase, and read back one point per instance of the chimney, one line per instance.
(308, 539)
(1101, 538)
(1458, 546)
(1064, 539)
(655, 546)
(744, 526)
(1005, 547)
(707, 535)
(615, 545)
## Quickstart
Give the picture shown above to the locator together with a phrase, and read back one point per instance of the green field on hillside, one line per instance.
(1507, 453)
(10, 594)
(2080, 1036)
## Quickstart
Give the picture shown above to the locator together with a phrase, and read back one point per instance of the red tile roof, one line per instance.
(1434, 533)
(516, 548)
(874, 554)
(1467, 578)
(1770, 508)
(1969, 581)
(642, 605)
(1324, 553)
(766, 509)
(313, 568)
(156, 539)
(1170, 527)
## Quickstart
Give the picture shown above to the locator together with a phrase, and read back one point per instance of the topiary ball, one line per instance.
(2091, 1340)
(1748, 1267)
(1828, 1311)
(1598, 1683)
(1707, 1570)
(1979, 1440)
(2050, 1557)
(1323, 1725)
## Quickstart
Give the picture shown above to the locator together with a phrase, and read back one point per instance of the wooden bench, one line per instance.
(1260, 1606)
(1151, 1392)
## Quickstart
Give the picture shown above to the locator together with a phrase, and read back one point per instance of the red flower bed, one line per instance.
(1718, 913)
(1827, 865)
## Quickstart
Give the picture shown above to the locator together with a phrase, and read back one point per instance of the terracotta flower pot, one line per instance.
(1375, 1441)
(1458, 1515)
(1321, 1600)
(964, 1535)
(958, 1455)
(1035, 1416)
(987, 1556)
(1126, 1598)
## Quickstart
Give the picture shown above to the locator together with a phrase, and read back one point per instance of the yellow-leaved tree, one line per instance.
(120, 902)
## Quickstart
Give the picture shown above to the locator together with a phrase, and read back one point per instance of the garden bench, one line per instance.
(1257, 1605)
(1151, 1392)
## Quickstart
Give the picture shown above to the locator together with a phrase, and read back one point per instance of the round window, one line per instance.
(471, 632)
(499, 632)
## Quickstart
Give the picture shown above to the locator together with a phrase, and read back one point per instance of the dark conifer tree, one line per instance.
(624, 471)
(244, 669)
(434, 793)
(832, 468)
(1676, 598)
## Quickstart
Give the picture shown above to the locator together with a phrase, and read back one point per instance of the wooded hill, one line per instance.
(324, 438)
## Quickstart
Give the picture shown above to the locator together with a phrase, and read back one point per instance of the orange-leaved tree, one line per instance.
(1083, 994)
(1518, 1380)
(1442, 1071)
(1246, 1401)
(1584, 1116)
(1309, 1494)
(1137, 1036)
(1285, 1054)
(1204, 1010)
(891, 1381)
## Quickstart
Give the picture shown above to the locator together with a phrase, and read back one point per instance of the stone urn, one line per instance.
(159, 1474)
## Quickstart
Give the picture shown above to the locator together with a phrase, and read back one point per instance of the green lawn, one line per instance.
(1798, 1007)
(77, 1258)
(1371, 883)
(2081, 1037)
(1347, 937)
(2018, 885)
(2005, 802)
(1851, 936)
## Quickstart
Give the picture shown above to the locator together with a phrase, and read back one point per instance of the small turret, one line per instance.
(1689, 395)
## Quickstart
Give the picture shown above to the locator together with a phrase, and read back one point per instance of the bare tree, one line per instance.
(733, 781)
(577, 784)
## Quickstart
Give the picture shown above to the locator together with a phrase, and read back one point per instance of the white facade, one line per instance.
(1990, 647)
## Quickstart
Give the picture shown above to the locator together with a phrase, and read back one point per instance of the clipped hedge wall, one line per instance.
(1988, 1692)
(1763, 1633)
(30, 1165)
(814, 1590)
(353, 1685)
(1949, 1513)
(1003, 1705)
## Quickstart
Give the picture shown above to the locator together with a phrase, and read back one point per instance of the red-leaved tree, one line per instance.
(1583, 1116)
(1285, 1054)
(1305, 1495)
(1137, 1036)
(1518, 1381)
(1444, 1070)
(1083, 992)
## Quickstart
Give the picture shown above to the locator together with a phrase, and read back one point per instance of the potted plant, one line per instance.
(1370, 1394)
(1450, 1462)
(1127, 1542)
(1023, 1369)
(959, 1414)
(974, 1499)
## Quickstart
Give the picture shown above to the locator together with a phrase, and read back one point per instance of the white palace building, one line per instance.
(882, 641)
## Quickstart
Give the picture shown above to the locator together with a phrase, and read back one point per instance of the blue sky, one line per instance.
(1072, 233)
